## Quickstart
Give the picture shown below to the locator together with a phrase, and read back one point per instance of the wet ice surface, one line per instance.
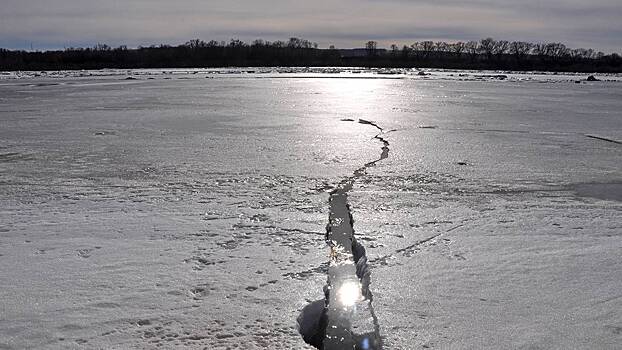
(189, 210)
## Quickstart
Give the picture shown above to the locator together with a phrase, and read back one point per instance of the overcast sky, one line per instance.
(46, 24)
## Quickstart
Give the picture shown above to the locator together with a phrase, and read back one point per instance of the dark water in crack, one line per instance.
(602, 138)
(345, 318)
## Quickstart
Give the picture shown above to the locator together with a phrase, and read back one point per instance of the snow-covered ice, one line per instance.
(188, 208)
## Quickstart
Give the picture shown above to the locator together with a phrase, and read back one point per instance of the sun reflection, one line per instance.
(352, 93)
(365, 344)
(349, 293)
(349, 96)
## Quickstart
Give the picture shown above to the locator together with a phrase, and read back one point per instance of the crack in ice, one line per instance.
(345, 319)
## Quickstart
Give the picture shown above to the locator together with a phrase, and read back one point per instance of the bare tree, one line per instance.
(501, 47)
(577, 53)
(457, 48)
(556, 50)
(195, 44)
(101, 47)
(235, 43)
(279, 44)
(405, 51)
(294, 43)
(441, 46)
(520, 49)
(214, 43)
(472, 48)
(427, 46)
(487, 47)
(417, 49)
(539, 49)
(258, 43)
(394, 49)
(371, 47)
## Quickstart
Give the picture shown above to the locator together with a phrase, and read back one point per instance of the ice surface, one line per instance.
(187, 208)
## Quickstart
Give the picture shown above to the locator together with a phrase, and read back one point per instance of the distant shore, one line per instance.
(487, 54)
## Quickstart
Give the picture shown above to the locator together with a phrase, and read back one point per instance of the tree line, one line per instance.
(487, 53)
(502, 54)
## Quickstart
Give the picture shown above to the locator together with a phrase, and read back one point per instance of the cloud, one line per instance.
(346, 23)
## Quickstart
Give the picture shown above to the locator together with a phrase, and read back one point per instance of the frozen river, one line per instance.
(189, 208)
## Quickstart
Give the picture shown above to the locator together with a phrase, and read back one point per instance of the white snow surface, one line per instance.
(187, 208)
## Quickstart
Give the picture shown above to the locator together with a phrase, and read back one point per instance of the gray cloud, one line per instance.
(347, 23)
